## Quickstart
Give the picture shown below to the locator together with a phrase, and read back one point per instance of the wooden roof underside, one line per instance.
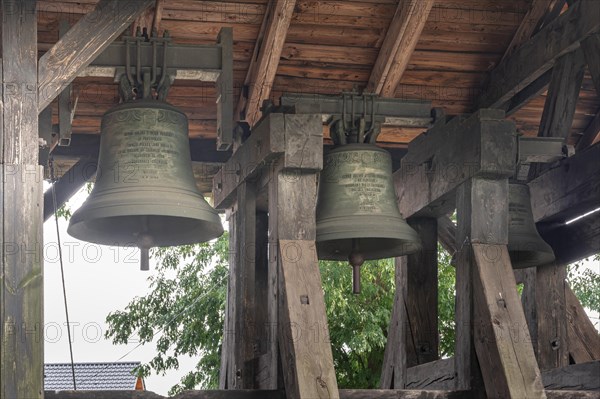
(332, 46)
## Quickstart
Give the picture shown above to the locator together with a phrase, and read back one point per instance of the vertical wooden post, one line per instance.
(492, 317)
(412, 334)
(422, 338)
(21, 282)
(552, 345)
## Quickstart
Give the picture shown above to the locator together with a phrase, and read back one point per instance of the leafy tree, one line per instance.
(186, 307)
(185, 313)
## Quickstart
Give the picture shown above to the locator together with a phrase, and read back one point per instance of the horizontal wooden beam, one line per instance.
(261, 394)
(584, 376)
(438, 375)
(431, 171)
(568, 190)
(538, 55)
(60, 65)
(276, 136)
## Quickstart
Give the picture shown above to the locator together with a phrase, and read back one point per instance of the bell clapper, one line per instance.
(356, 260)
(145, 242)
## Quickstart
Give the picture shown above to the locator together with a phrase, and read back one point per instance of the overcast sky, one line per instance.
(99, 280)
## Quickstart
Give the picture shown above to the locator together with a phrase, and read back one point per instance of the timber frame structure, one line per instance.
(464, 103)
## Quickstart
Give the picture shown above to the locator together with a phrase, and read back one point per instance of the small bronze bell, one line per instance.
(145, 193)
(525, 246)
(357, 213)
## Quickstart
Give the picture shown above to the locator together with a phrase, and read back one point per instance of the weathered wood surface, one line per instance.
(591, 134)
(256, 394)
(437, 375)
(538, 55)
(534, 16)
(292, 137)
(265, 60)
(304, 335)
(82, 43)
(584, 341)
(568, 190)
(584, 376)
(591, 49)
(422, 339)
(393, 371)
(552, 344)
(21, 277)
(507, 360)
(430, 173)
(398, 46)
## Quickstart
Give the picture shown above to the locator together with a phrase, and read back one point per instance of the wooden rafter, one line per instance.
(534, 17)
(398, 46)
(538, 55)
(591, 135)
(82, 44)
(265, 60)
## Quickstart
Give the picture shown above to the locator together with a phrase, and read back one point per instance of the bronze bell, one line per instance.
(357, 214)
(525, 246)
(145, 193)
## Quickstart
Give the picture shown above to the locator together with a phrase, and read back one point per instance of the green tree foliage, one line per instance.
(586, 283)
(184, 313)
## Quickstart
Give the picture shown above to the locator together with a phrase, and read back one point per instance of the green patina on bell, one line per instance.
(525, 246)
(145, 193)
(357, 213)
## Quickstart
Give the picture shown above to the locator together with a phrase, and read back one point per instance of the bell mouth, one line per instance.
(521, 259)
(371, 248)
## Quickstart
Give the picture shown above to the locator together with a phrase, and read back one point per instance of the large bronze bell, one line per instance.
(357, 214)
(525, 246)
(145, 193)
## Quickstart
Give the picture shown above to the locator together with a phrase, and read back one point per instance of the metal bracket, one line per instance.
(539, 150)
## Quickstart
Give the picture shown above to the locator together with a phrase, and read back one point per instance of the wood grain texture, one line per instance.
(552, 345)
(393, 371)
(539, 54)
(21, 276)
(82, 43)
(591, 49)
(582, 376)
(304, 338)
(263, 65)
(398, 46)
(507, 360)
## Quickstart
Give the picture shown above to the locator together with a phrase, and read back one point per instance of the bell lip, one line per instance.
(543, 258)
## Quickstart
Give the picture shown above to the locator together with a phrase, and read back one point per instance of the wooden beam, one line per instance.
(574, 377)
(591, 48)
(584, 341)
(308, 368)
(393, 371)
(563, 93)
(271, 139)
(507, 361)
(264, 63)
(149, 19)
(430, 173)
(280, 394)
(21, 278)
(568, 190)
(552, 345)
(398, 46)
(591, 135)
(534, 16)
(60, 65)
(539, 54)
(438, 375)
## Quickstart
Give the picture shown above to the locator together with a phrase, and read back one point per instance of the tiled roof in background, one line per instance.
(90, 376)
